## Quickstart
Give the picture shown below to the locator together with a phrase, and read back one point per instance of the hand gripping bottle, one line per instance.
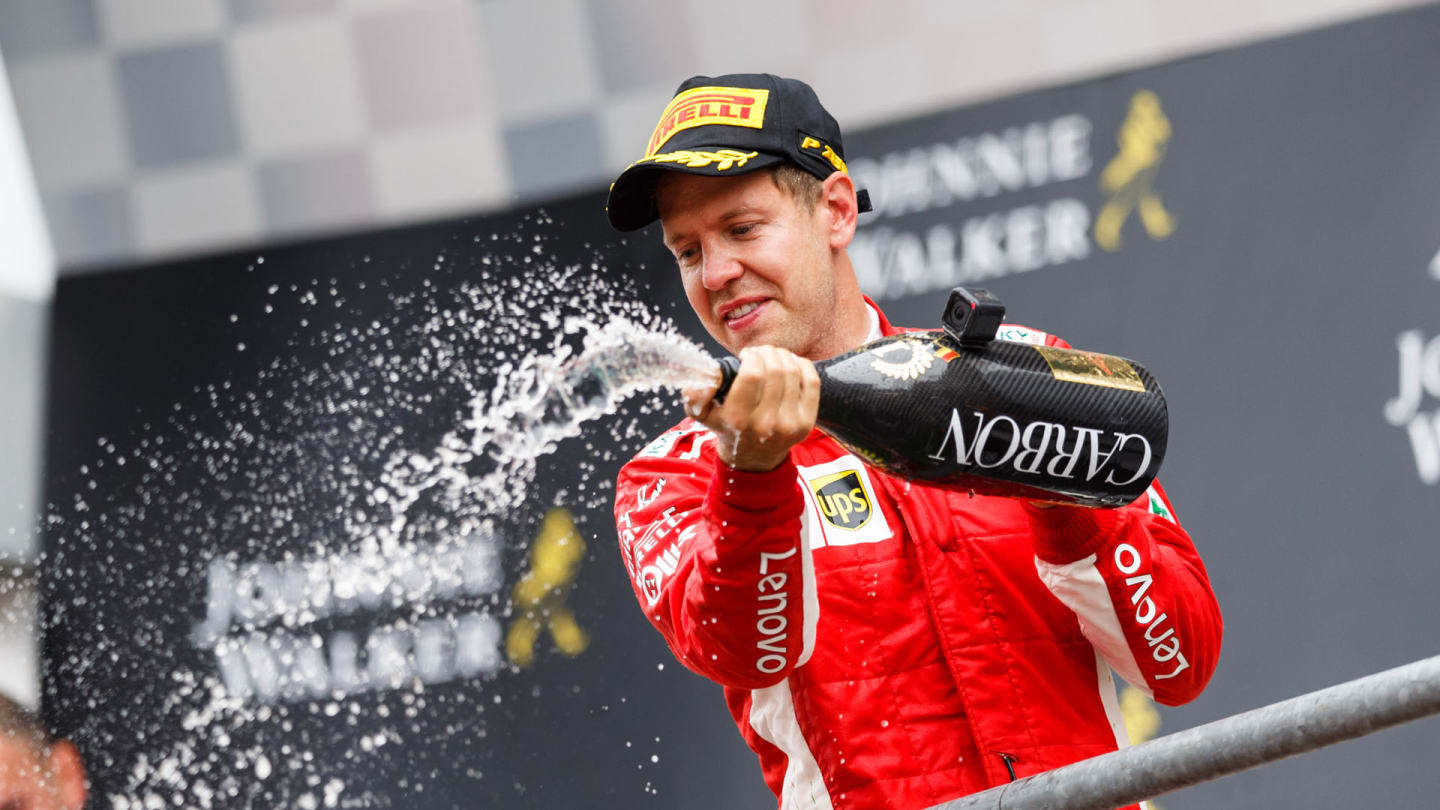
(957, 408)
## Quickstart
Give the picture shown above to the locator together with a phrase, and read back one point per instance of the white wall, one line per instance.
(27, 277)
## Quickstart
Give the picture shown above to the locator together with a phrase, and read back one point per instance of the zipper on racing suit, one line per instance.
(1008, 759)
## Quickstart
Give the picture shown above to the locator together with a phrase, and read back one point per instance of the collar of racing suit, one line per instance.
(879, 324)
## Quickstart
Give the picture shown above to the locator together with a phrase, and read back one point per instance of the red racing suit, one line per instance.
(887, 644)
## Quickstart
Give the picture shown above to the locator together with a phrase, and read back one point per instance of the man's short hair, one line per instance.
(798, 184)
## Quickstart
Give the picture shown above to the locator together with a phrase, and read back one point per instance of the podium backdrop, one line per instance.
(1260, 226)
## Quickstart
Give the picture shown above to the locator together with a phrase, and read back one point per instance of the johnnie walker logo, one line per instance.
(1419, 375)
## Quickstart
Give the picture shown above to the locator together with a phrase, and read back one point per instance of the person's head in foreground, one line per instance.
(747, 176)
(36, 773)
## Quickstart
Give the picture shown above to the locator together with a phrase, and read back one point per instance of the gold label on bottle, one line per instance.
(904, 359)
(1091, 368)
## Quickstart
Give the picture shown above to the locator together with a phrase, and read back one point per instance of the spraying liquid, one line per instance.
(550, 398)
(542, 401)
(365, 550)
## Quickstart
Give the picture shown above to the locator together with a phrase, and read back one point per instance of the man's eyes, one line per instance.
(688, 259)
(689, 255)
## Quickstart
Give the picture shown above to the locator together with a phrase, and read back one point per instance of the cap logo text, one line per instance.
(701, 106)
(722, 158)
(827, 152)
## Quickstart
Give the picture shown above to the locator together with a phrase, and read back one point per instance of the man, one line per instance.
(923, 644)
(36, 773)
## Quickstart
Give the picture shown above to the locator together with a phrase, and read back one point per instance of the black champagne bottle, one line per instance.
(958, 408)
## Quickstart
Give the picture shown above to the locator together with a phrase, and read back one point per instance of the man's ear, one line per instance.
(837, 197)
(69, 774)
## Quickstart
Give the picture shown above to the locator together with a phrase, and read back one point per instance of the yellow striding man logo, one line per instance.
(1130, 176)
(1142, 720)
(540, 594)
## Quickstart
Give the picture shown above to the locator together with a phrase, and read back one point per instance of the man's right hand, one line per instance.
(771, 407)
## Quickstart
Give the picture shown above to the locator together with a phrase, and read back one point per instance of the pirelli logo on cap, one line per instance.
(699, 106)
(843, 503)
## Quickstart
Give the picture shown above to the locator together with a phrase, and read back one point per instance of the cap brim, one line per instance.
(631, 205)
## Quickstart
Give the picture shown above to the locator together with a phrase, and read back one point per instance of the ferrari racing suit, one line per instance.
(883, 643)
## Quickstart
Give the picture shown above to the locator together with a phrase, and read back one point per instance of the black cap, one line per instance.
(724, 125)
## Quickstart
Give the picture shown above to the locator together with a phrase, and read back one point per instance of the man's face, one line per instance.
(31, 780)
(757, 265)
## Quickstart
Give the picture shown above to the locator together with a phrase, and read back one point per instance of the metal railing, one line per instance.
(1227, 746)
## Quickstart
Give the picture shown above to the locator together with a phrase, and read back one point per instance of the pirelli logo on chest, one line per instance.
(843, 503)
(698, 106)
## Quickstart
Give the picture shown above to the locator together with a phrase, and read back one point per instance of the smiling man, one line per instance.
(881, 643)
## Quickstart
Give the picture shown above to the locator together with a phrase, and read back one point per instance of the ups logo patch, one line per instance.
(843, 499)
(843, 506)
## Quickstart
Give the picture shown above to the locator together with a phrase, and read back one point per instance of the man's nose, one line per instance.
(721, 267)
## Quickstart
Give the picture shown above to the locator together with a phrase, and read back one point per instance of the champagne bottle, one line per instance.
(958, 408)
